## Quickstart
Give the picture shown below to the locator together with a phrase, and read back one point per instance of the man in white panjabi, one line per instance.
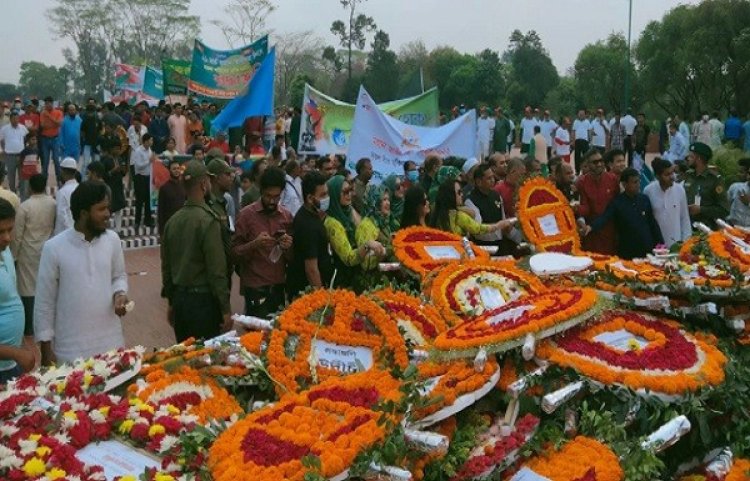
(82, 285)
(669, 203)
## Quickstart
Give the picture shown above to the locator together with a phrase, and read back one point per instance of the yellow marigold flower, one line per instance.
(128, 477)
(156, 429)
(87, 378)
(56, 473)
(70, 415)
(146, 407)
(163, 477)
(173, 409)
(34, 467)
(42, 451)
(60, 388)
(104, 410)
(35, 437)
(126, 426)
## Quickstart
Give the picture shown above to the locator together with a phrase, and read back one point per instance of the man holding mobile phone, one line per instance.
(262, 247)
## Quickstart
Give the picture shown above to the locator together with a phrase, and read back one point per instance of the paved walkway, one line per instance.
(147, 323)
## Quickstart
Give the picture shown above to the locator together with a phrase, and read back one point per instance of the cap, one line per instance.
(702, 149)
(194, 170)
(215, 153)
(69, 163)
(218, 167)
(469, 164)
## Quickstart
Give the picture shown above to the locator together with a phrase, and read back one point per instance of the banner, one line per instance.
(176, 74)
(224, 74)
(389, 143)
(129, 77)
(257, 101)
(153, 83)
(326, 123)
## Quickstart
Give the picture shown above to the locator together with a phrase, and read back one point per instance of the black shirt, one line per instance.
(637, 230)
(310, 242)
(490, 205)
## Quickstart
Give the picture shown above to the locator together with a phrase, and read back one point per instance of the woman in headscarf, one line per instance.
(341, 224)
(444, 174)
(377, 223)
(395, 185)
(449, 217)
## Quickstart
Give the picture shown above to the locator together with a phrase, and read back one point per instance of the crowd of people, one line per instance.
(243, 202)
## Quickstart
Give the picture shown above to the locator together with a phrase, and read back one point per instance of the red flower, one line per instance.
(139, 432)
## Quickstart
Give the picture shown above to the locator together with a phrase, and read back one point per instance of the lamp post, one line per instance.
(627, 66)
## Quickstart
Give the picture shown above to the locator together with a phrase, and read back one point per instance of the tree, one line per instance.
(247, 21)
(412, 63)
(707, 64)
(563, 99)
(40, 80)
(599, 73)
(532, 74)
(353, 34)
(297, 54)
(444, 63)
(130, 31)
(8, 91)
(381, 77)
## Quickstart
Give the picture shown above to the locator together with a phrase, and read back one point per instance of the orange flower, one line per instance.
(740, 471)
(252, 342)
(409, 246)
(539, 199)
(338, 317)
(724, 247)
(506, 327)
(576, 459)
(708, 370)
(420, 321)
(456, 290)
(331, 421)
(216, 402)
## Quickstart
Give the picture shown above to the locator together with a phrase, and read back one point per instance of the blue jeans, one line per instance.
(10, 374)
(50, 147)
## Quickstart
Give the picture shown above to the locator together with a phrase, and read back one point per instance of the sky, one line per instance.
(565, 26)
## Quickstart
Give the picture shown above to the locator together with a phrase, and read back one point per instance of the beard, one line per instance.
(95, 230)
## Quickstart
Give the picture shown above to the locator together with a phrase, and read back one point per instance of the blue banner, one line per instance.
(153, 83)
(224, 74)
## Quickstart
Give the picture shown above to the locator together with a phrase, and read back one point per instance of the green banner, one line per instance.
(176, 74)
(327, 122)
(225, 74)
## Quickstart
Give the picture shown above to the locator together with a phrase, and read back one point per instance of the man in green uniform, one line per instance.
(503, 129)
(706, 197)
(222, 180)
(193, 263)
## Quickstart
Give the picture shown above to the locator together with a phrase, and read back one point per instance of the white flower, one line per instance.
(8, 458)
(167, 443)
(62, 437)
(7, 430)
(97, 417)
(27, 446)
(172, 467)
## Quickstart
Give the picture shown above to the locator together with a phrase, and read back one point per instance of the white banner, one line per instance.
(389, 143)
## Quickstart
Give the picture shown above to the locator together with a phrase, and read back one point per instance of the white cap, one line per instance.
(69, 163)
(469, 164)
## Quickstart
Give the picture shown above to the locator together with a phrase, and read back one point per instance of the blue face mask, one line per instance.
(412, 175)
(325, 203)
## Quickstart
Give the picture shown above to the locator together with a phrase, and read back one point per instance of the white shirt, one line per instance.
(562, 135)
(291, 196)
(739, 213)
(600, 129)
(64, 218)
(670, 211)
(135, 138)
(581, 129)
(485, 126)
(74, 294)
(527, 129)
(548, 127)
(678, 148)
(14, 138)
(630, 124)
(141, 160)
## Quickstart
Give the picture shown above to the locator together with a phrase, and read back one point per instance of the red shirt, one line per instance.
(256, 270)
(507, 191)
(215, 144)
(596, 194)
(47, 120)
(30, 121)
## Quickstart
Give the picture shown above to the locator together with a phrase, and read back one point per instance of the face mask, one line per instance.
(412, 175)
(705, 118)
(325, 203)
(674, 176)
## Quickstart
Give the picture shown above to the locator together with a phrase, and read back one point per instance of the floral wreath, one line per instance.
(658, 357)
(457, 288)
(494, 451)
(189, 392)
(724, 247)
(334, 421)
(506, 327)
(338, 317)
(541, 206)
(419, 322)
(44, 457)
(411, 246)
(700, 269)
(636, 271)
(582, 459)
(447, 382)
(739, 472)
